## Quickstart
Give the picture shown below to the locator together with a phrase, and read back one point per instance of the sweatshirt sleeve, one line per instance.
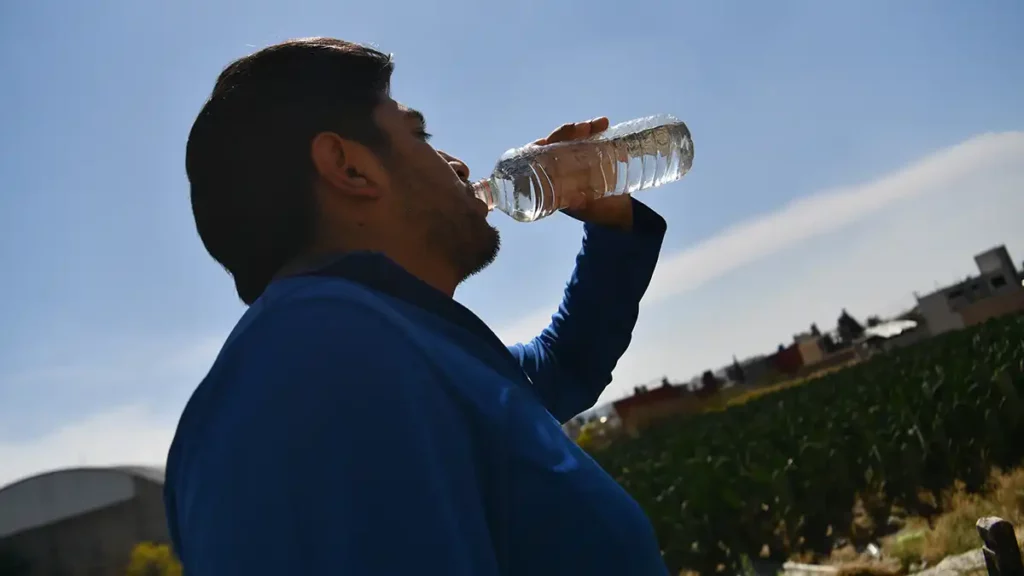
(571, 361)
(336, 450)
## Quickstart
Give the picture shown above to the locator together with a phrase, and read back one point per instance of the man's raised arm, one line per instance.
(571, 361)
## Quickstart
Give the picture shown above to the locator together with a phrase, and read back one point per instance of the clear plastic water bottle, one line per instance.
(535, 181)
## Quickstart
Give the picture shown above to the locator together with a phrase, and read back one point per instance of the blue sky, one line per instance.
(847, 153)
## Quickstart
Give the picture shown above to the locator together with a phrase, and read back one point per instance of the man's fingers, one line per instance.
(564, 133)
(576, 131)
(598, 125)
(587, 129)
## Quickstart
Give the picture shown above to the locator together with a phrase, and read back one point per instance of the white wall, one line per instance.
(938, 316)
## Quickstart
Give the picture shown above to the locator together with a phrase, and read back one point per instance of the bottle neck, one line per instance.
(485, 191)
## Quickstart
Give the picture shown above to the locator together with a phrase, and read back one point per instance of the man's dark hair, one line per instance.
(248, 154)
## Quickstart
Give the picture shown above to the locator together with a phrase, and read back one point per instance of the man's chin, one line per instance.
(485, 251)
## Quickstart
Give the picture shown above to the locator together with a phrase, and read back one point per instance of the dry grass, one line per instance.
(953, 532)
(870, 569)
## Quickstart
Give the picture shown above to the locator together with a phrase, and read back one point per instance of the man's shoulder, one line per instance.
(302, 333)
(307, 352)
(309, 308)
(292, 296)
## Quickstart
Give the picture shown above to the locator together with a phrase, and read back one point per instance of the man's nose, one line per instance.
(458, 165)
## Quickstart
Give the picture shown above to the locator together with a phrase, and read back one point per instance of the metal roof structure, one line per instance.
(52, 496)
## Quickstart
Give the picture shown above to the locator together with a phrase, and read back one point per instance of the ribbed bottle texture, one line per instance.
(532, 182)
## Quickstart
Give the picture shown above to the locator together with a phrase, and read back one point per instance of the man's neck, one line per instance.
(436, 276)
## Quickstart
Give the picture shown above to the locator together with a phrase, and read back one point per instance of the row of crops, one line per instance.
(783, 471)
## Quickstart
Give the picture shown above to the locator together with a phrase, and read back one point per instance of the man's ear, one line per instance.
(347, 166)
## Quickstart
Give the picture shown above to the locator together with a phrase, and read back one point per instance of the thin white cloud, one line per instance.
(126, 435)
(130, 395)
(808, 217)
(870, 267)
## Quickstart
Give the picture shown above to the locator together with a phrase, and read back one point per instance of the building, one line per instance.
(809, 345)
(939, 316)
(81, 521)
(787, 359)
(996, 290)
(648, 405)
(996, 261)
(890, 335)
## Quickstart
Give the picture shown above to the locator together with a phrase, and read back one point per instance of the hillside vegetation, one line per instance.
(780, 474)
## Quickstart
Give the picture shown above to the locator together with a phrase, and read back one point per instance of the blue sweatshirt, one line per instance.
(359, 422)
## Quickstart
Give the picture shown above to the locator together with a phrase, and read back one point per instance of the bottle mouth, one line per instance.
(483, 191)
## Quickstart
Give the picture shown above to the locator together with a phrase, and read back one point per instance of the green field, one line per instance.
(780, 474)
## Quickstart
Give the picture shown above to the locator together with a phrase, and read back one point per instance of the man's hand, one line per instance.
(577, 188)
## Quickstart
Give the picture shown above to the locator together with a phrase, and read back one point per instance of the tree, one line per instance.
(735, 372)
(828, 344)
(848, 327)
(873, 321)
(151, 559)
(709, 385)
(585, 439)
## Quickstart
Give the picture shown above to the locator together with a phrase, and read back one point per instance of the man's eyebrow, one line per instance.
(417, 116)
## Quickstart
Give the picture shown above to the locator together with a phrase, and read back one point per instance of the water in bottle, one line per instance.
(534, 181)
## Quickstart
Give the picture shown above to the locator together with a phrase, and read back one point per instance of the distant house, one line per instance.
(891, 335)
(787, 360)
(647, 405)
(937, 313)
(811, 350)
(996, 291)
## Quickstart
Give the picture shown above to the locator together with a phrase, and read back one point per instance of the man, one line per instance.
(358, 420)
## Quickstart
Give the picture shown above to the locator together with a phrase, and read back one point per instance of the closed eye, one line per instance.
(420, 123)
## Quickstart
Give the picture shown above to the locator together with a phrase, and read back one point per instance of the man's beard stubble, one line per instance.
(488, 249)
(468, 242)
